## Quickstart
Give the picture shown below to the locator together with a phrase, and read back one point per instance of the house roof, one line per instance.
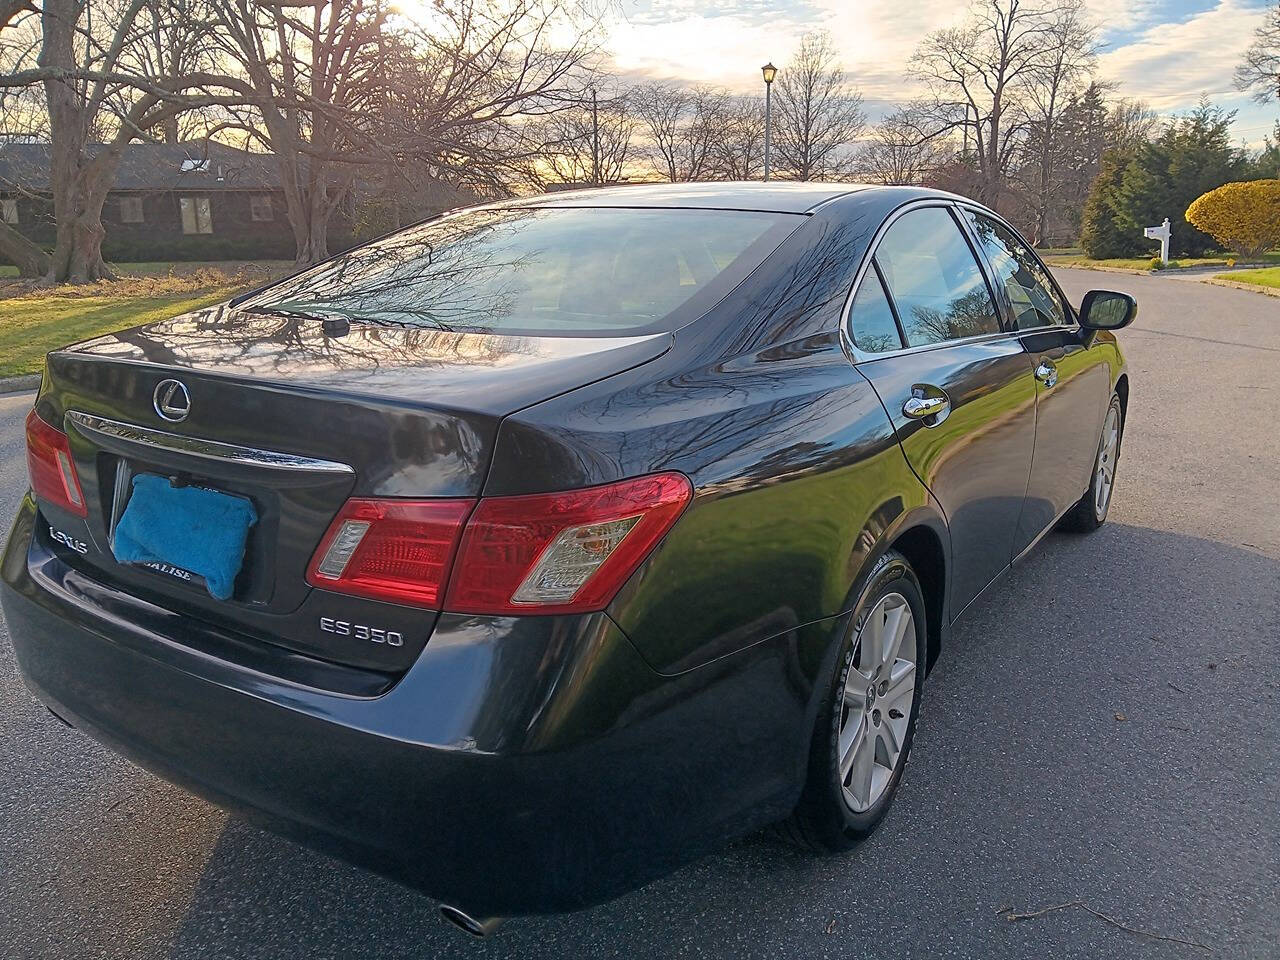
(196, 164)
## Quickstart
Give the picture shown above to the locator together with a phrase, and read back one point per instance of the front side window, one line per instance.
(197, 215)
(935, 281)
(130, 209)
(871, 320)
(1035, 301)
(9, 209)
(587, 271)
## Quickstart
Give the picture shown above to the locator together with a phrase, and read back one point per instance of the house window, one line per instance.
(260, 208)
(130, 209)
(197, 215)
(9, 209)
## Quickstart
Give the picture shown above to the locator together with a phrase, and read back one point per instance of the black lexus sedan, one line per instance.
(530, 552)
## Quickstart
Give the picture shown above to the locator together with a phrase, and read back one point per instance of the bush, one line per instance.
(1159, 179)
(1157, 263)
(1244, 217)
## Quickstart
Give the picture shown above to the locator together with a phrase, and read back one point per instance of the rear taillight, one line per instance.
(562, 552)
(396, 550)
(53, 473)
(545, 553)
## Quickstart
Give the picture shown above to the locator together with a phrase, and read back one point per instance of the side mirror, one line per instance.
(1107, 310)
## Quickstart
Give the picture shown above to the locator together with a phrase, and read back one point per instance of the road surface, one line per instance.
(1105, 728)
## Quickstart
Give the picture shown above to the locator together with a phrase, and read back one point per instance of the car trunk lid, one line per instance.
(298, 415)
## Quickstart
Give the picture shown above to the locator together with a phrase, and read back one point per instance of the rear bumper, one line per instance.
(521, 765)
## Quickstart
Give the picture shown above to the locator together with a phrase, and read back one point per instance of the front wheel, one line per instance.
(1091, 512)
(864, 732)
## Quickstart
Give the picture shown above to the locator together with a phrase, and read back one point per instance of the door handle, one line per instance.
(928, 405)
(1047, 373)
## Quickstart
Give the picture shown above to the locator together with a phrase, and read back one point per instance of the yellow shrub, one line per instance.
(1242, 216)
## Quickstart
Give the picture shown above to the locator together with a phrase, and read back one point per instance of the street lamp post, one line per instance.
(769, 71)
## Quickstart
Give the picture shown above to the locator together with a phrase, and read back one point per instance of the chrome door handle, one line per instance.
(1047, 373)
(932, 410)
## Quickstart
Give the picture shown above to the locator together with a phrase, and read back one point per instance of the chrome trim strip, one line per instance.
(206, 449)
(857, 355)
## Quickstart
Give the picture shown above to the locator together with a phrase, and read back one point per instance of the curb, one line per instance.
(18, 384)
(1102, 269)
(1238, 285)
(1187, 272)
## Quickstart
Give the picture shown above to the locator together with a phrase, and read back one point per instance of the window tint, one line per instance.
(873, 325)
(571, 270)
(935, 281)
(1035, 302)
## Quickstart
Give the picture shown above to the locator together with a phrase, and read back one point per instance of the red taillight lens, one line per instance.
(545, 553)
(561, 552)
(53, 473)
(395, 550)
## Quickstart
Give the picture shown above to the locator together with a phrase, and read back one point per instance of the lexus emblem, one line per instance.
(171, 400)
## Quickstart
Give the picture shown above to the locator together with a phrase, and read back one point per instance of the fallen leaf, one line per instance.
(1121, 717)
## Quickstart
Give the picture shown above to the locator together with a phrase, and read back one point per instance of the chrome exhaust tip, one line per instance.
(479, 927)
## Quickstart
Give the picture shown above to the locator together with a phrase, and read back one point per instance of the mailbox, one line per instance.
(1160, 233)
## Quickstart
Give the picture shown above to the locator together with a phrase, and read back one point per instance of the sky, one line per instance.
(1166, 53)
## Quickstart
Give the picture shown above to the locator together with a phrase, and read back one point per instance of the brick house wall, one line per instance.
(235, 234)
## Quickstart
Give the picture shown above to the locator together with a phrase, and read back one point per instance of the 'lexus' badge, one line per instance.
(171, 400)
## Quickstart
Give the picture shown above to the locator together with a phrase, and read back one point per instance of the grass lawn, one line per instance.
(34, 321)
(179, 268)
(1269, 277)
(1143, 263)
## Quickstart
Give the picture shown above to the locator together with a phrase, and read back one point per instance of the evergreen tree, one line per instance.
(1100, 235)
(1192, 156)
(1266, 166)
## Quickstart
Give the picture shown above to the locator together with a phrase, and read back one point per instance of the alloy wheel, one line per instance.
(878, 694)
(1108, 450)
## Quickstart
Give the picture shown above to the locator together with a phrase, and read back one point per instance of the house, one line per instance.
(199, 200)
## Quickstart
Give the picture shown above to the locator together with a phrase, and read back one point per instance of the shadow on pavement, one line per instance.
(1102, 728)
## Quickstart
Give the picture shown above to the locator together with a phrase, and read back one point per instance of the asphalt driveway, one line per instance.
(1104, 729)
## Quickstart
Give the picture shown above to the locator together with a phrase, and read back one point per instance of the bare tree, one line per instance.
(590, 142)
(9, 10)
(1260, 71)
(738, 150)
(91, 89)
(682, 127)
(977, 74)
(313, 70)
(818, 114)
(897, 153)
(1069, 60)
(1130, 123)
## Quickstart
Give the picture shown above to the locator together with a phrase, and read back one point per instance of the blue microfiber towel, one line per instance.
(199, 530)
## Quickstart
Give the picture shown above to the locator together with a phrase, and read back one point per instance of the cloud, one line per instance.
(725, 41)
(1167, 52)
(1170, 65)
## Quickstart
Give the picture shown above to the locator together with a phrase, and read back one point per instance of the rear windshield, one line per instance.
(537, 271)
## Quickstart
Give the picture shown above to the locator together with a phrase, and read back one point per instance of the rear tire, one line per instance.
(866, 725)
(1091, 511)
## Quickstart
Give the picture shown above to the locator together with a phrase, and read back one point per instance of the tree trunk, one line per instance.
(79, 184)
(30, 260)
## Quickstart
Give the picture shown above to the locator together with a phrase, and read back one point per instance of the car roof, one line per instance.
(773, 197)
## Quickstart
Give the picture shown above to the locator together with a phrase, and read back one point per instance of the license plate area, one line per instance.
(252, 582)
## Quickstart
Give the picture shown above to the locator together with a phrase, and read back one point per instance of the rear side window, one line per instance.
(935, 281)
(1035, 301)
(579, 271)
(871, 321)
